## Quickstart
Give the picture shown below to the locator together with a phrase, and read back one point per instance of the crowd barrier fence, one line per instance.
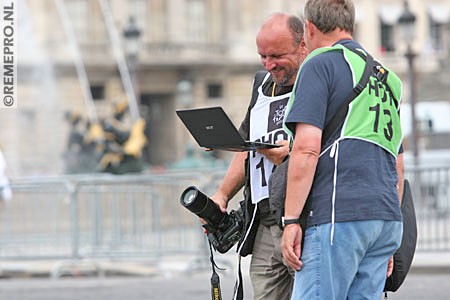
(130, 216)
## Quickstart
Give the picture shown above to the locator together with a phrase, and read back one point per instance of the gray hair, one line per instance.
(327, 15)
(296, 27)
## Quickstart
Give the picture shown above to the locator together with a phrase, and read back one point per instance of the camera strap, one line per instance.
(216, 293)
(238, 293)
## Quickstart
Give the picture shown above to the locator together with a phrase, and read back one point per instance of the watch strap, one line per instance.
(289, 221)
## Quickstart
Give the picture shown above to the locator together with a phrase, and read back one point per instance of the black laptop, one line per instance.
(212, 128)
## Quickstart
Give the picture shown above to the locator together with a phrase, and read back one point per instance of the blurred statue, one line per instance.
(84, 146)
(76, 129)
(123, 152)
(107, 146)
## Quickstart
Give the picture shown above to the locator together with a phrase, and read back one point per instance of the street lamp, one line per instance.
(132, 34)
(407, 22)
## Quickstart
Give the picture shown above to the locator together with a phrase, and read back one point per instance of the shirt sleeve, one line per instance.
(324, 83)
(311, 94)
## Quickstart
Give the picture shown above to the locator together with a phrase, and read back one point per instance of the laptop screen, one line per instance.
(210, 127)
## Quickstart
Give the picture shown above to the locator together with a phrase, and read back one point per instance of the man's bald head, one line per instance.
(280, 22)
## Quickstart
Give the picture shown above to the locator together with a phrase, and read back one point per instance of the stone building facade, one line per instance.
(192, 53)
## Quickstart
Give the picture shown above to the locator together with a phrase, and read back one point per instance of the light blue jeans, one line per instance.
(353, 267)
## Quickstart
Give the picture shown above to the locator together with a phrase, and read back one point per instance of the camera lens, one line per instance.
(189, 196)
(194, 200)
(198, 203)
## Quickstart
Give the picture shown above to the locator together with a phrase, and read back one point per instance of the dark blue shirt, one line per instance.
(366, 186)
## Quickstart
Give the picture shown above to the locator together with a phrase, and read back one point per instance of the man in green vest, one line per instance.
(346, 185)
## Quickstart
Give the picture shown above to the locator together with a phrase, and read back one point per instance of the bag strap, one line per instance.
(238, 292)
(259, 78)
(340, 115)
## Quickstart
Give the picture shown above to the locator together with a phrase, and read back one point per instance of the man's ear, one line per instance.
(303, 49)
(302, 41)
(310, 29)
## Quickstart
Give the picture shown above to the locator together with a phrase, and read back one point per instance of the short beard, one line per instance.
(285, 81)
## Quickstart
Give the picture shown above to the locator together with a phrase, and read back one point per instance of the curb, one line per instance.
(430, 269)
(431, 263)
(423, 263)
(59, 269)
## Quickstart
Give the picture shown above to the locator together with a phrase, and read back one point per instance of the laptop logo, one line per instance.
(209, 127)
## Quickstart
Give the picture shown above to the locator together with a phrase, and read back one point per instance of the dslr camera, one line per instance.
(224, 230)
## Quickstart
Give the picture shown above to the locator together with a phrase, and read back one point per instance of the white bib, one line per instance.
(266, 125)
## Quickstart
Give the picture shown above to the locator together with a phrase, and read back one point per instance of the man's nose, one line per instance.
(269, 64)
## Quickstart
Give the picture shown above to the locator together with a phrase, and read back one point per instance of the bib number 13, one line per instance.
(388, 130)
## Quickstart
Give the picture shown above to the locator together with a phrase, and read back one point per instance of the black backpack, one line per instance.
(404, 255)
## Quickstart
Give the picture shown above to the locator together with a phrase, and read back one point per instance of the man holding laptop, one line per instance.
(282, 50)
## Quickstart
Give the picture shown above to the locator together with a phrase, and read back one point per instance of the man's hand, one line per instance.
(390, 268)
(276, 155)
(291, 245)
(220, 200)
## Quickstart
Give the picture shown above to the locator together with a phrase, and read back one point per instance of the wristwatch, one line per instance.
(285, 222)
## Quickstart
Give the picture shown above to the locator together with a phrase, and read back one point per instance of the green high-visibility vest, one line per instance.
(373, 116)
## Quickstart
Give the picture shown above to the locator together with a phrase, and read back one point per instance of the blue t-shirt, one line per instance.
(366, 186)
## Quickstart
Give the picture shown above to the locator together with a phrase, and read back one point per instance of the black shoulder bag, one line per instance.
(404, 255)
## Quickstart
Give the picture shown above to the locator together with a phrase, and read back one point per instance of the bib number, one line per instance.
(388, 129)
(260, 165)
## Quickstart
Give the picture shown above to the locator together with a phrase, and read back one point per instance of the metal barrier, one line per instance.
(140, 215)
(431, 194)
(102, 216)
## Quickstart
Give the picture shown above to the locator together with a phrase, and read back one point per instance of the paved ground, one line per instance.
(187, 287)
(184, 278)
